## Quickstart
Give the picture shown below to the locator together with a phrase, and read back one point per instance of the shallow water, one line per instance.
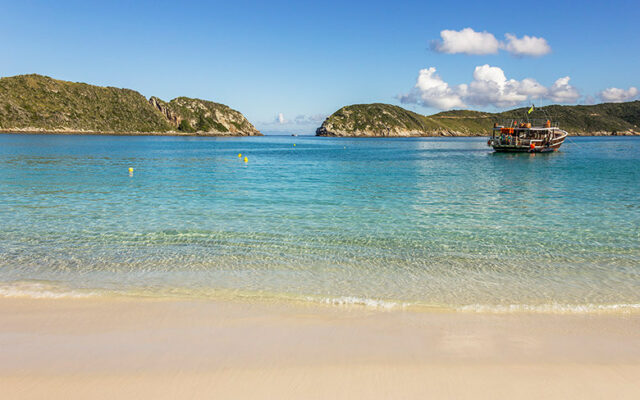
(436, 222)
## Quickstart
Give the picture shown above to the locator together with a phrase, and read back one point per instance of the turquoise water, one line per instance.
(440, 222)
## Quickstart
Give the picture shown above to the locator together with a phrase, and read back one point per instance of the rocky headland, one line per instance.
(40, 104)
(386, 120)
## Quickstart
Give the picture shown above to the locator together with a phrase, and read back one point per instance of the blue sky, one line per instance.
(306, 60)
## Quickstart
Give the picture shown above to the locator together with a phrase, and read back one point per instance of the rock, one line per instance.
(204, 117)
(169, 114)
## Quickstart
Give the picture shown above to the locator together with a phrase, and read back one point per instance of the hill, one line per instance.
(35, 103)
(195, 115)
(389, 120)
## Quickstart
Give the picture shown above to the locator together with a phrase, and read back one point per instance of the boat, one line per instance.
(534, 136)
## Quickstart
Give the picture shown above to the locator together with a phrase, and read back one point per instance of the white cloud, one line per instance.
(300, 120)
(432, 91)
(309, 119)
(526, 46)
(616, 95)
(466, 41)
(532, 88)
(489, 87)
(562, 92)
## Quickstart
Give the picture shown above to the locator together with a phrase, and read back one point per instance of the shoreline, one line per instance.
(101, 133)
(180, 134)
(125, 348)
(37, 290)
(455, 135)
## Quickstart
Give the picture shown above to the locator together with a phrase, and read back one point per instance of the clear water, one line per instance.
(386, 222)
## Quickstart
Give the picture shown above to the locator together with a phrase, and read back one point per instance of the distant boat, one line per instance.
(294, 134)
(536, 136)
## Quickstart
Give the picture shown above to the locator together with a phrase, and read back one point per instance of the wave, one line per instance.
(554, 308)
(49, 290)
(41, 290)
(359, 301)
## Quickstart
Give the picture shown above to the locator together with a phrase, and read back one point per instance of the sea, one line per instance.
(382, 223)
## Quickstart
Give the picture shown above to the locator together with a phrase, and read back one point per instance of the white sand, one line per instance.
(78, 349)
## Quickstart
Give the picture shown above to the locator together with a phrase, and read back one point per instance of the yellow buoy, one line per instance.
(239, 155)
(294, 145)
(130, 170)
(246, 159)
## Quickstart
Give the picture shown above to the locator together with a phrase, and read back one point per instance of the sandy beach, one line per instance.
(319, 201)
(134, 348)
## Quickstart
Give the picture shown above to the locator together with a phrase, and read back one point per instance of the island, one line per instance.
(386, 120)
(40, 104)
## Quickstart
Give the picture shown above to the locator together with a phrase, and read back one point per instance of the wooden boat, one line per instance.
(536, 136)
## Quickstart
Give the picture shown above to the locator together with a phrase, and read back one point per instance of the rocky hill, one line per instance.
(35, 103)
(373, 120)
(376, 120)
(195, 115)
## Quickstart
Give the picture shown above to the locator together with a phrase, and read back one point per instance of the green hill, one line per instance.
(35, 103)
(389, 120)
(375, 120)
(195, 115)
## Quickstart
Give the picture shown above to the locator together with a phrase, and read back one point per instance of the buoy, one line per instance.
(130, 170)
(294, 145)
(239, 155)
(246, 159)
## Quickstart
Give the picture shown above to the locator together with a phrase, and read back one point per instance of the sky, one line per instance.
(288, 65)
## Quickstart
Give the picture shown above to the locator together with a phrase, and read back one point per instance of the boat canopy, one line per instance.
(527, 123)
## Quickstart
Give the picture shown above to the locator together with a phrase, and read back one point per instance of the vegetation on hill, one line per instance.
(39, 102)
(42, 104)
(599, 118)
(389, 120)
(195, 115)
(375, 120)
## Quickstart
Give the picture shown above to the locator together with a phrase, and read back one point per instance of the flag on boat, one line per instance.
(530, 110)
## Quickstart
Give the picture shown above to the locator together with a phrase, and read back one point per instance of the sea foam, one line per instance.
(40, 290)
(551, 308)
(359, 301)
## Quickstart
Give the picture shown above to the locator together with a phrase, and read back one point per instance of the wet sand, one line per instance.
(133, 348)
